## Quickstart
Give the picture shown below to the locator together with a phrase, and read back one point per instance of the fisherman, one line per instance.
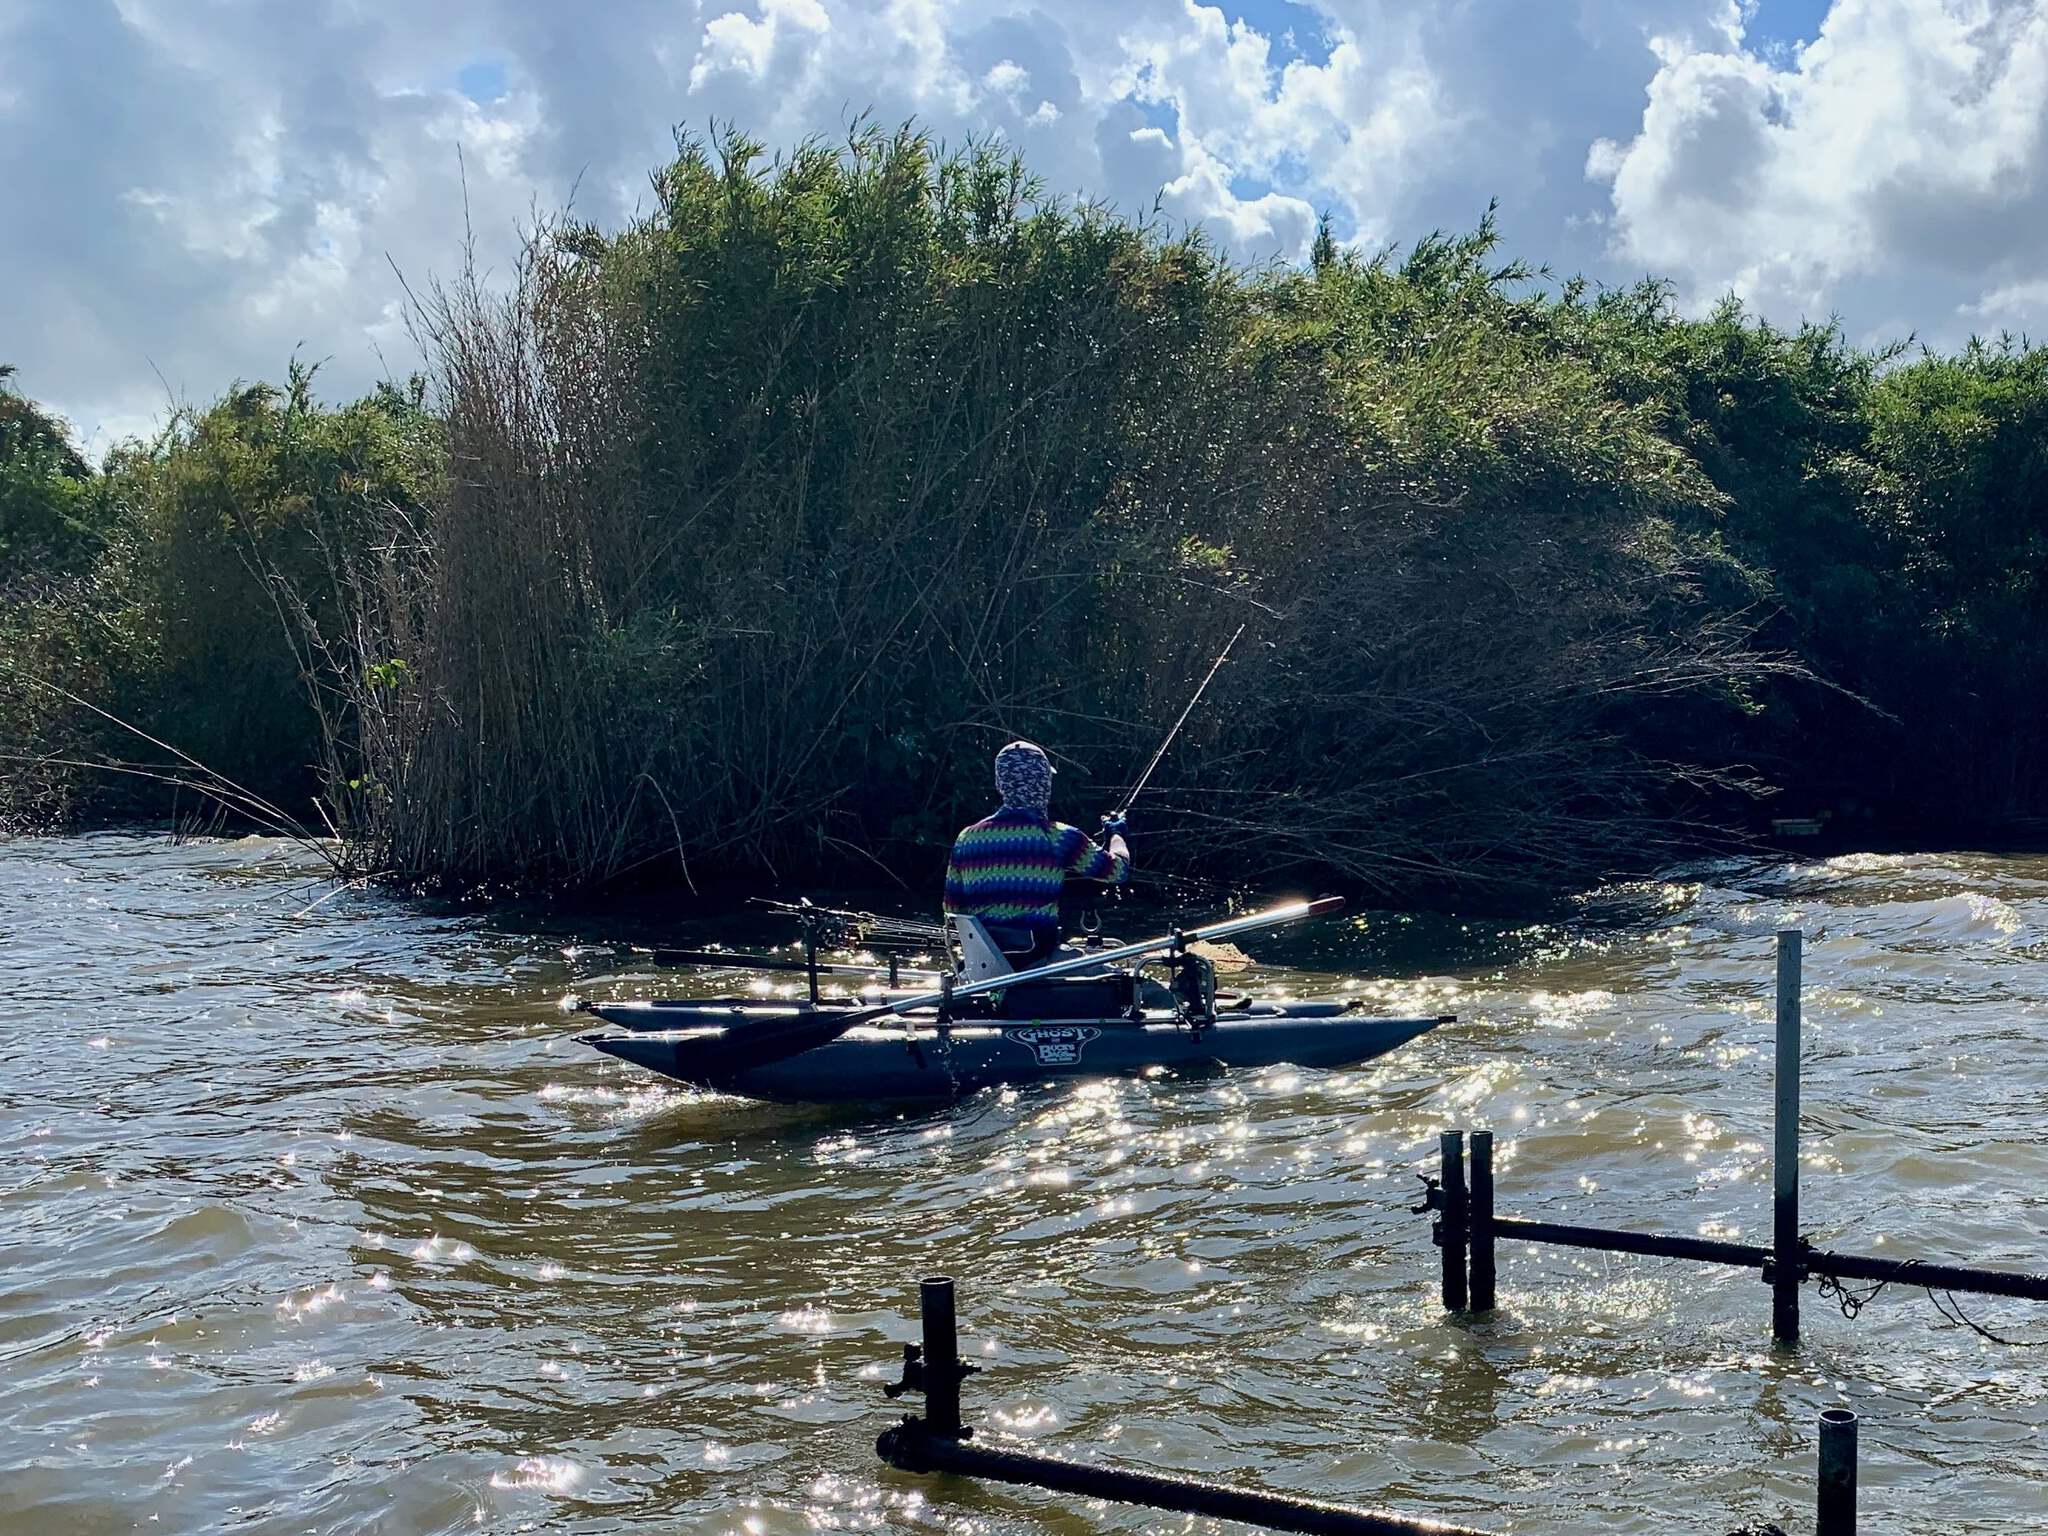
(1008, 869)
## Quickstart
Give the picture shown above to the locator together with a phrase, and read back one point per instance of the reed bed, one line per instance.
(769, 516)
(729, 543)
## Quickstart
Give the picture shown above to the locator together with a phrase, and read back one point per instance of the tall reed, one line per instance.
(769, 516)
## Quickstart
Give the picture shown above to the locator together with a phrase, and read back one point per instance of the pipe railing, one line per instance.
(1468, 1229)
(1468, 1232)
(939, 1443)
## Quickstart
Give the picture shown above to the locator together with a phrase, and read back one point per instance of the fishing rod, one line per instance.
(1117, 817)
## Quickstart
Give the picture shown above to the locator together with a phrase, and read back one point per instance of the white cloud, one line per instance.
(1352, 127)
(1006, 78)
(215, 184)
(786, 33)
(2015, 303)
(1908, 143)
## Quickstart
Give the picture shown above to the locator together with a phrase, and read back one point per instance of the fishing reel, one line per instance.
(1113, 822)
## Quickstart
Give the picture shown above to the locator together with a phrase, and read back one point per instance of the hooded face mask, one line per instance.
(1024, 776)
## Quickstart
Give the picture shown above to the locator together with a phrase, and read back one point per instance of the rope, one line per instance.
(1953, 1311)
(1853, 1301)
(1850, 1301)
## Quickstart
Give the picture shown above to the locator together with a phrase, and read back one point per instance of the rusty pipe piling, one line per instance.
(1480, 1223)
(1835, 1493)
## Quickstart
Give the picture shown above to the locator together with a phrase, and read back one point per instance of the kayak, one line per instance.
(1070, 1016)
(902, 1058)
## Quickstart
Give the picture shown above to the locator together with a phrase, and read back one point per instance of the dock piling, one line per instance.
(1787, 1272)
(1451, 1204)
(942, 1367)
(1835, 1497)
(1480, 1223)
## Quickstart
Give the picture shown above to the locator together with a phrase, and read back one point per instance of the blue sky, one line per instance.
(221, 184)
(1788, 21)
(483, 80)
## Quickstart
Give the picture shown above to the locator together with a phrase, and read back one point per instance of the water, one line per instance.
(317, 1220)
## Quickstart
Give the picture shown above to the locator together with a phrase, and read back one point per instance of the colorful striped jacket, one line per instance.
(1008, 868)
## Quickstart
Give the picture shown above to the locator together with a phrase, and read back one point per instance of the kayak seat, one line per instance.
(979, 953)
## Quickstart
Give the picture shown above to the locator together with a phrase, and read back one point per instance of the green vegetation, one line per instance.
(734, 540)
(191, 598)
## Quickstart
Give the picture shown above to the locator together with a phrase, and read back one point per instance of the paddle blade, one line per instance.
(714, 1057)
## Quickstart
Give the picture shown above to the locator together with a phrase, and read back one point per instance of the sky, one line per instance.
(192, 192)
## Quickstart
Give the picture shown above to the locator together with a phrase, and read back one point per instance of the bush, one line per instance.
(205, 608)
(771, 515)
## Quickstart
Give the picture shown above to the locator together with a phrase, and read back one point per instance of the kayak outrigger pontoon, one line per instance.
(1081, 1014)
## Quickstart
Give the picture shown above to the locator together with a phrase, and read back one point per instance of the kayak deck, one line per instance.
(898, 1059)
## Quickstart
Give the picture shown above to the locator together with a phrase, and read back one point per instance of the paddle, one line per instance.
(733, 1048)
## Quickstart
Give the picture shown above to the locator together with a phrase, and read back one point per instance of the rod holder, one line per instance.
(810, 922)
(1835, 1495)
(1480, 1222)
(1787, 1269)
(934, 1367)
(1452, 1205)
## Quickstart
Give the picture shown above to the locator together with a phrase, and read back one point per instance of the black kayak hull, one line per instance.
(884, 1062)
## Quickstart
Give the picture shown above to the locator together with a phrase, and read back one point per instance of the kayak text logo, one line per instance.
(1055, 1045)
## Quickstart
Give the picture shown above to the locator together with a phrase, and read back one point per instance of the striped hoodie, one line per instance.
(1008, 868)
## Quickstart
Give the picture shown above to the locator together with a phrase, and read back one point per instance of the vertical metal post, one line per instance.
(1450, 1229)
(1785, 1263)
(941, 1357)
(1482, 1221)
(1835, 1499)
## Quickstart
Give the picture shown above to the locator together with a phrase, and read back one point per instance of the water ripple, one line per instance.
(318, 1220)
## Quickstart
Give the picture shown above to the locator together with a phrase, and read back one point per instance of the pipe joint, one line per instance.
(1798, 1272)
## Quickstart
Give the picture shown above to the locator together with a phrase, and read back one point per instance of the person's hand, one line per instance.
(1114, 823)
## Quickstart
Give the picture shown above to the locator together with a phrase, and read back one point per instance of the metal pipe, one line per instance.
(1835, 1494)
(1481, 1224)
(1936, 1277)
(1786, 1270)
(1656, 1245)
(910, 1447)
(942, 1371)
(1450, 1228)
(1843, 1266)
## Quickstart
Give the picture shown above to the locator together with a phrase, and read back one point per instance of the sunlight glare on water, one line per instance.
(318, 1219)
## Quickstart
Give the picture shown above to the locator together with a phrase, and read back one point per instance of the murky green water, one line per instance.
(319, 1221)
